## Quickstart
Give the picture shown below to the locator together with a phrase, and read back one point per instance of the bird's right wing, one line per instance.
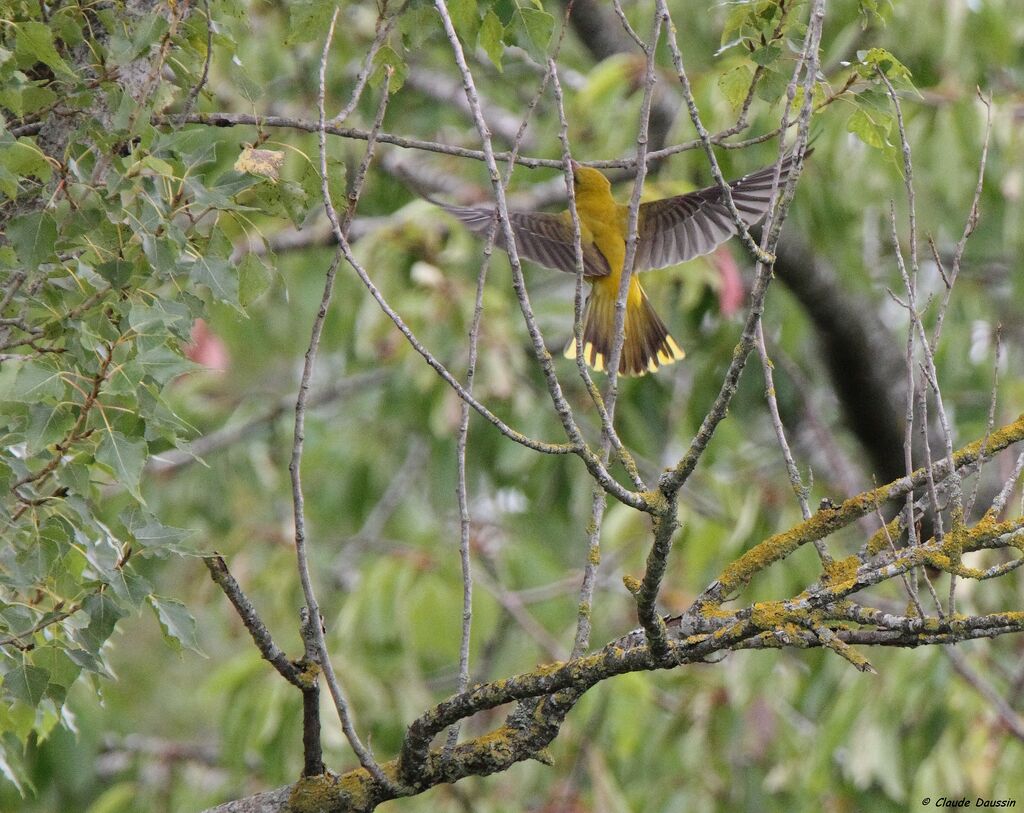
(674, 230)
(546, 239)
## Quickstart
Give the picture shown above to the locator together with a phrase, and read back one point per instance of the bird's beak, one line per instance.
(574, 164)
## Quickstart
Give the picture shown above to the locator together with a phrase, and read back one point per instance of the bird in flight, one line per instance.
(669, 231)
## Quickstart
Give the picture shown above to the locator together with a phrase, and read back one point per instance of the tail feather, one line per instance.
(647, 345)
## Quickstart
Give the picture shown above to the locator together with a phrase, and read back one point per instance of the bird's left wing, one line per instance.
(674, 230)
(544, 238)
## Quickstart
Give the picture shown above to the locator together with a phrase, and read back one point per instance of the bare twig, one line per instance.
(295, 467)
(197, 88)
(594, 464)
(610, 438)
(758, 253)
(462, 490)
(250, 618)
(999, 503)
(673, 480)
(796, 481)
(383, 29)
(226, 119)
(632, 220)
(969, 226)
(991, 420)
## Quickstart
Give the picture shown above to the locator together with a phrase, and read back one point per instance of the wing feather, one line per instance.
(544, 238)
(677, 229)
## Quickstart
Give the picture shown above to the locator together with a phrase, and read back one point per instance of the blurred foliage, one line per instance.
(138, 228)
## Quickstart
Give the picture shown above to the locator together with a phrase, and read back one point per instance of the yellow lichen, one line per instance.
(888, 534)
(655, 500)
(840, 570)
(317, 794)
(768, 615)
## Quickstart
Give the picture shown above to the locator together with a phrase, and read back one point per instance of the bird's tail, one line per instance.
(648, 344)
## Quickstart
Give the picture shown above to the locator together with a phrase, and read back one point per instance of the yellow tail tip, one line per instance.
(669, 353)
(594, 359)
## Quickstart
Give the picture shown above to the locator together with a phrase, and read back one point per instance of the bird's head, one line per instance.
(589, 180)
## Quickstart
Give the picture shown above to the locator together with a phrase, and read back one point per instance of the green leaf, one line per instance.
(771, 86)
(146, 318)
(116, 272)
(149, 30)
(12, 763)
(130, 587)
(871, 127)
(35, 43)
(288, 198)
(254, 279)
(36, 97)
(150, 533)
(9, 182)
(63, 671)
(767, 55)
(465, 16)
(124, 457)
(491, 38)
(535, 28)
(36, 381)
(734, 84)
(103, 614)
(26, 98)
(739, 17)
(88, 662)
(177, 624)
(217, 274)
(884, 61)
(416, 24)
(158, 364)
(308, 20)
(46, 425)
(33, 237)
(26, 682)
(388, 59)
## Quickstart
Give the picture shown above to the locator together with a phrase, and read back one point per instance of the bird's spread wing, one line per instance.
(546, 239)
(673, 230)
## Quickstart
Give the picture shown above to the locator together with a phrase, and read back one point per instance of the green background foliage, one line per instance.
(127, 227)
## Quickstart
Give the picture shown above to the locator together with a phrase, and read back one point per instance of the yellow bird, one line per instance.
(669, 231)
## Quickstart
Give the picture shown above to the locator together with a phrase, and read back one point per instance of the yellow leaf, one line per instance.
(260, 162)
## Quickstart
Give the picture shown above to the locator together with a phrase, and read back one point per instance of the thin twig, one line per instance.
(705, 139)
(562, 408)
(607, 423)
(969, 226)
(796, 481)
(383, 29)
(197, 88)
(295, 467)
(463, 435)
(610, 438)
(673, 480)
(991, 420)
(999, 503)
(226, 119)
(632, 220)
(250, 618)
